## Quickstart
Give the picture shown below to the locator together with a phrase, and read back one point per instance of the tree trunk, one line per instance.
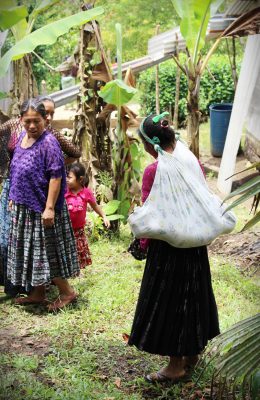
(85, 119)
(25, 86)
(193, 115)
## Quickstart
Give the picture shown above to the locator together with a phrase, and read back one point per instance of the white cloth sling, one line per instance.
(180, 208)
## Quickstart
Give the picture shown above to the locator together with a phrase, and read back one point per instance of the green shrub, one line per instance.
(216, 87)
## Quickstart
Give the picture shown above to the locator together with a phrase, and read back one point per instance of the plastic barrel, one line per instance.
(219, 121)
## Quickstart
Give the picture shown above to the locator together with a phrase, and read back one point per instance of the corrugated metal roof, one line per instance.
(65, 96)
(240, 7)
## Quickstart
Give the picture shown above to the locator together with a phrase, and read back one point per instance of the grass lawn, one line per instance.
(80, 352)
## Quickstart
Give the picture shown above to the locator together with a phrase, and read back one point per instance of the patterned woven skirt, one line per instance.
(4, 214)
(4, 235)
(84, 255)
(37, 254)
(176, 313)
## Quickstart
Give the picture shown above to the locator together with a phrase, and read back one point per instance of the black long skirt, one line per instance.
(176, 313)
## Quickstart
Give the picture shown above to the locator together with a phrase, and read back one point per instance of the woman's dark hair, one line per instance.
(45, 97)
(79, 171)
(161, 129)
(34, 105)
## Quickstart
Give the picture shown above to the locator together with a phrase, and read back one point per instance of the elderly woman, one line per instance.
(9, 134)
(41, 245)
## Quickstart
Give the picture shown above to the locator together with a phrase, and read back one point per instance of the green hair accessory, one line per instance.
(154, 141)
(157, 118)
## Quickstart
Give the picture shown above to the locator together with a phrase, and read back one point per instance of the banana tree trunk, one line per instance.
(85, 119)
(193, 115)
(24, 86)
(91, 132)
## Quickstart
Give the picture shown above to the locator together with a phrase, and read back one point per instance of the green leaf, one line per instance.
(40, 7)
(252, 192)
(134, 150)
(236, 367)
(46, 35)
(111, 207)
(256, 385)
(253, 221)
(124, 207)
(3, 95)
(114, 217)
(19, 30)
(11, 16)
(251, 183)
(117, 92)
(194, 16)
(255, 165)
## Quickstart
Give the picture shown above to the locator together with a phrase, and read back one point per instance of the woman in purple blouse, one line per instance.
(41, 242)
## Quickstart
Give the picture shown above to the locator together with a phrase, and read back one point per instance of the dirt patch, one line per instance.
(243, 248)
(23, 342)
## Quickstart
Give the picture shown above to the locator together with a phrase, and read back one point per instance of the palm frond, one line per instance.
(236, 356)
(253, 221)
(249, 193)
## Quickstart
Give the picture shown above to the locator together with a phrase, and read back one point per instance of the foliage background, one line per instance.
(216, 86)
(139, 20)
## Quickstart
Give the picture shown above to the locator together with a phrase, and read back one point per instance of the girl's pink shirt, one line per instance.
(77, 206)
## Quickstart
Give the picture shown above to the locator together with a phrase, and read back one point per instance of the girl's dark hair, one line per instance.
(45, 97)
(79, 171)
(34, 105)
(160, 129)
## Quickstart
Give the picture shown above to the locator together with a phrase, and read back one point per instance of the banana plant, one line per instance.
(118, 93)
(235, 355)
(245, 192)
(11, 16)
(26, 41)
(195, 15)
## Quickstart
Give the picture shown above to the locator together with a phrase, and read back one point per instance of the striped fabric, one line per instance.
(36, 254)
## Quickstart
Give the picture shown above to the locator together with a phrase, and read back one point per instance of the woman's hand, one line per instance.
(10, 204)
(48, 217)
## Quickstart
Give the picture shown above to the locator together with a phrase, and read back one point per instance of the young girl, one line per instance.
(78, 196)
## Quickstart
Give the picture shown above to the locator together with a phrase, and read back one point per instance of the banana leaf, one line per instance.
(195, 16)
(46, 35)
(115, 217)
(117, 92)
(40, 7)
(11, 16)
(111, 207)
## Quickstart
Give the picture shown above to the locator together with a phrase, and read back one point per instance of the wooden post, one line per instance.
(177, 88)
(157, 87)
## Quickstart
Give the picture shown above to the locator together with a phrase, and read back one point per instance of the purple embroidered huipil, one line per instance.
(32, 169)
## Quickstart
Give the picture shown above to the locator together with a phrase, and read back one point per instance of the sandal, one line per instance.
(23, 301)
(60, 303)
(160, 378)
